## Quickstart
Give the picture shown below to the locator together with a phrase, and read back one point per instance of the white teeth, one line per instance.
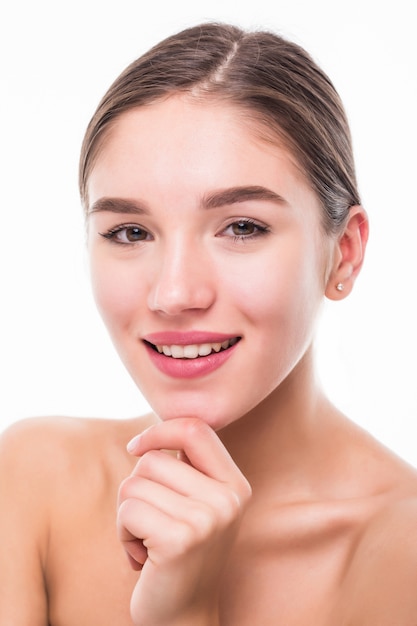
(192, 351)
(203, 350)
(188, 352)
(176, 352)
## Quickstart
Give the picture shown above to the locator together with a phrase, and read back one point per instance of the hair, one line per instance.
(274, 81)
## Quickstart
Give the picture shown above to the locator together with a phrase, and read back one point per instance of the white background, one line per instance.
(57, 59)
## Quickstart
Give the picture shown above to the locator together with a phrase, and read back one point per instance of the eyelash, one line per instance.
(260, 229)
(112, 233)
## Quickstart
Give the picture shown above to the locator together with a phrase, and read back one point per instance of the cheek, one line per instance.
(116, 293)
(281, 286)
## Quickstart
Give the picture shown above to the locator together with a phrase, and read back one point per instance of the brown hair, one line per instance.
(273, 80)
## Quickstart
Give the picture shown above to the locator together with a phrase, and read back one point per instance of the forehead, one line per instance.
(182, 142)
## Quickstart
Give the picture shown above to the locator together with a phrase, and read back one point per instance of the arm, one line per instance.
(178, 518)
(23, 598)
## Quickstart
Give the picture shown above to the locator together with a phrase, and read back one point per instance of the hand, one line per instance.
(177, 519)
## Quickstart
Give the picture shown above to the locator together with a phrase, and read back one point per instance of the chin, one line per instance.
(216, 417)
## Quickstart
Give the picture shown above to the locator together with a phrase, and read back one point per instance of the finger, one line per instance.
(181, 456)
(168, 498)
(180, 490)
(136, 521)
(136, 553)
(166, 470)
(162, 536)
(195, 439)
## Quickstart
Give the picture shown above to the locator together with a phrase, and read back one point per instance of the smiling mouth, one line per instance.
(193, 351)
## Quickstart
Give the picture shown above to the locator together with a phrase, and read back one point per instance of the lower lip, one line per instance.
(189, 368)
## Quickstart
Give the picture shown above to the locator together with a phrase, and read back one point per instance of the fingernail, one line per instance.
(131, 446)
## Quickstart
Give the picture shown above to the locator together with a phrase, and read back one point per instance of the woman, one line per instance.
(221, 204)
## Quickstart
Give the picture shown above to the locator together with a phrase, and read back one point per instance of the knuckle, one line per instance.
(173, 542)
(200, 525)
(230, 506)
(126, 512)
(203, 520)
(146, 464)
(131, 487)
(194, 428)
(181, 539)
(232, 500)
(124, 489)
(123, 511)
(245, 491)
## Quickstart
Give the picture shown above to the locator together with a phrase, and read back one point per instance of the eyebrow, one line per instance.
(234, 195)
(117, 205)
(214, 200)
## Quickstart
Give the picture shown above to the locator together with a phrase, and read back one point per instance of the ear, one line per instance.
(348, 254)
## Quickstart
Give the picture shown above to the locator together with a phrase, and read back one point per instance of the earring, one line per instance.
(340, 286)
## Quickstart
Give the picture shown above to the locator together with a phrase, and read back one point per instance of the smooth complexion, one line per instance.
(209, 265)
(200, 233)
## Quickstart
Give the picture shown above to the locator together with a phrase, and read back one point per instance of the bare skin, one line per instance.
(328, 536)
(251, 499)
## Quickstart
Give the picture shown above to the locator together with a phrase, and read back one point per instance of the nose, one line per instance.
(183, 280)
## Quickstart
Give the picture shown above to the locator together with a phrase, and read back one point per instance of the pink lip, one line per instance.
(178, 338)
(187, 368)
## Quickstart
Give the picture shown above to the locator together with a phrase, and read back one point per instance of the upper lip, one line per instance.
(195, 337)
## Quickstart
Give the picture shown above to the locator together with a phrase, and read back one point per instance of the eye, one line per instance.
(245, 229)
(127, 234)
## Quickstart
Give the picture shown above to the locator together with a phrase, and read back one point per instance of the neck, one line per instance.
(283, 440)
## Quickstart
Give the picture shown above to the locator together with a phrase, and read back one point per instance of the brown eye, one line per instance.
(126, 234)
(243, 228)
(133, 233)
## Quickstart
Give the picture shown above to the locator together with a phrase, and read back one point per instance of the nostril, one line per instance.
(176, 297)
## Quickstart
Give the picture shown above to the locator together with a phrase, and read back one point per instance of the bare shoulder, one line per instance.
(68, 446)
(46, 431)
(58, 483)
(381, 578)
(56, 462)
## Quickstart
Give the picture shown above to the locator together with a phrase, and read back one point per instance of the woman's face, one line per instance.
(208, 259)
